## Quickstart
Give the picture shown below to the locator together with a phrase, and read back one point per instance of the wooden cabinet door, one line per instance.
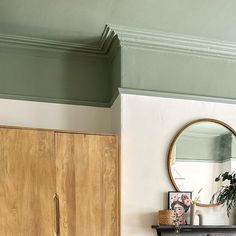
(27, 182)
(87, 184)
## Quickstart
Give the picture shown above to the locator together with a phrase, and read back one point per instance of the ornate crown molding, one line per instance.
(135, 38)
(101, 48)
(139, 38)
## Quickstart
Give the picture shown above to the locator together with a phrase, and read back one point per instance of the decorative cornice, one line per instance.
(138, 38)
(129, 91)
(132, 37)
(101, 48)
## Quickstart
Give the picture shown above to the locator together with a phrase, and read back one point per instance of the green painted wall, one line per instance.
(195, 149)
(89, 79)
(163, 71)
(54, 76)
(205, 149)
(223, 147)
(115, 68)
(233, 153)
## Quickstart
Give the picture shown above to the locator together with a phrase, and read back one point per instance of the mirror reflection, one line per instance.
(199, 153)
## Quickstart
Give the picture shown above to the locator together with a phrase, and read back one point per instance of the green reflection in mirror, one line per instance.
(200, 152)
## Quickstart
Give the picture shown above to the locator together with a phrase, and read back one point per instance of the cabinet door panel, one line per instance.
(27, 182)
(87, 184)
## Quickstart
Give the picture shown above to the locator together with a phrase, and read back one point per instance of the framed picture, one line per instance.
(180, 202)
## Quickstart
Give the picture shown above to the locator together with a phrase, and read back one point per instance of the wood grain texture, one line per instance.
(27, 174)
(87, 184)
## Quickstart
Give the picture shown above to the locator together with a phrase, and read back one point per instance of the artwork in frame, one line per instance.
(180, 202)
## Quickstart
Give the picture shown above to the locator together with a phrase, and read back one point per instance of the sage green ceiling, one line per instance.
(83, 21)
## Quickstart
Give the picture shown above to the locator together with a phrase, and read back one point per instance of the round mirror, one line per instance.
(201, 151)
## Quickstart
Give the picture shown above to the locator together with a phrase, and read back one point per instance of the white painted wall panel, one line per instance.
(54, 116)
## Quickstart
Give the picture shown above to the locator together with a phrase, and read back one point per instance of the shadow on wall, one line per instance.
(84, 79)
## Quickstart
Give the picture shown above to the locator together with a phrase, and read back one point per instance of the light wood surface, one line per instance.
(58, 182)
(27, 182)
(87, 184)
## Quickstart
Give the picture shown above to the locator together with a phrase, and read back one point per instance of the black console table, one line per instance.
(203, 230)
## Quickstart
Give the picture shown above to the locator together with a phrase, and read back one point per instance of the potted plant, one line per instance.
(227, 193)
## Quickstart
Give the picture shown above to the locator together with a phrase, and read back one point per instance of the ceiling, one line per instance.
(83, 21)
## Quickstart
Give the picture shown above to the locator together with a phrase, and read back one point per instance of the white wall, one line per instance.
(204, 180)
(54, 116)
(148, 124)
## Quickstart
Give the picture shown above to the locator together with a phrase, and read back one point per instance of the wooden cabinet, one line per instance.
(87, 184)
(82, 169)
(27, 182)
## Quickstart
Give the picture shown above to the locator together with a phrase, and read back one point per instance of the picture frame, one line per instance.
(180, 202)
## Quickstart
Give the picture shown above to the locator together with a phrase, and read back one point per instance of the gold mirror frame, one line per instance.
(173, 143)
